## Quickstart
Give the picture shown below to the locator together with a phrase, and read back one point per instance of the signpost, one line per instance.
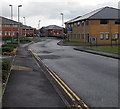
(93, 40)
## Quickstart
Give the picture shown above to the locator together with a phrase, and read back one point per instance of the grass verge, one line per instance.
(110, 49)
(75, 43)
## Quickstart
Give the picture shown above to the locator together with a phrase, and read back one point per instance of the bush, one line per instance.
(24, 39)
(4, 75)
(5, 69)
(5, 64)
(9, 45)
(7, 49)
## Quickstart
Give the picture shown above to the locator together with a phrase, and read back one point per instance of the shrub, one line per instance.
(9, 45)
(5, 64)
(5, 69)
(24, 39)
(7, 49)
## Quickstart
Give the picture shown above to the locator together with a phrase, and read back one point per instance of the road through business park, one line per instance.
(94, 78)
(45, 74)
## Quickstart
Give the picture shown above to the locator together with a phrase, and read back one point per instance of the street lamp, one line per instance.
(62, 23)
(39, 27)
(84, 22)
(11, 22)
(18, 21)
(11, 12)
(25, 24)
(62, 20)
(39, 24)
(18, 12)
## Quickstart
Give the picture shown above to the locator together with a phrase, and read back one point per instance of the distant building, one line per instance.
(28, 31)
(52, 30)
(101, 26)
(10, 28)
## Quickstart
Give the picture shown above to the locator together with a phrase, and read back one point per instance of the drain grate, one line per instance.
(14, 67)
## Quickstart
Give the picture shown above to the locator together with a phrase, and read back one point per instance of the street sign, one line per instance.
(93, 39)
(69, 29)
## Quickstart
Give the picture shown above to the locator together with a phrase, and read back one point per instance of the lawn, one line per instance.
(111, 49)
(75, 43)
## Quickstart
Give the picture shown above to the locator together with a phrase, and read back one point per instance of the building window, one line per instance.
(7, 25)
(13, 33)
(107, 36)
(5, 33)
(74, 24)
(15, 25)
(78, 23)
(9, 33)
(74, 36)
(102, 21)
(116, 35)
(0, 33)
(82, 23)
(101, 36)
(117, 21)
(86, 22)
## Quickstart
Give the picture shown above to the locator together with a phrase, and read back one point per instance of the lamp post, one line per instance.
(11, 12)
(62, 19)
(62, 23)
(39, 27)
(25, 24)
(19, 12)
(19, 21)
(11, 23)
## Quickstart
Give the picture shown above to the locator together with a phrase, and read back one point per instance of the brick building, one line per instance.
(101, 26)
(52, 30)
(10, 28)
(28, 31)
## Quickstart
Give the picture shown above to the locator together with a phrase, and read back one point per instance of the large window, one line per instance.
(107, 36)
(102, 21)
(0, 33)
(7, 25)
(116, 35)
(78, 23)
(101, 36)
(15, 25)
(5, 33)
(117, 21)
(9, 33)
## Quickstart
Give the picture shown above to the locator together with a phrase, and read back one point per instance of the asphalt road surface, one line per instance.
(92, 77)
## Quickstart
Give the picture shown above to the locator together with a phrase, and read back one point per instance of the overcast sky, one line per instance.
(48, 11)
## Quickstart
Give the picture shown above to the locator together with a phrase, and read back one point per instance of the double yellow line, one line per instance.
(62, 84)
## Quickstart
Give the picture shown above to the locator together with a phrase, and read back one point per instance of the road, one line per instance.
(92, 77)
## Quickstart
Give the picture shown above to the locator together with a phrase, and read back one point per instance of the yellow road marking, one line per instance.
(62, 86)
(62, 83)
(66, 86)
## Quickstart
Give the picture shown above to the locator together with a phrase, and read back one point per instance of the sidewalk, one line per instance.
(112, 55)
(28, 86)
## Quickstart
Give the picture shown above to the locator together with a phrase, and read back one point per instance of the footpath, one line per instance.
(28, 86)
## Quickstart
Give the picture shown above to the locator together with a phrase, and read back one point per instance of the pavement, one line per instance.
(28, 86)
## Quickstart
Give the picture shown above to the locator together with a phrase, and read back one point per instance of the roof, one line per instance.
(27, 27)
(8, 21)
(72, 20)
(102, 13)
(51, 27)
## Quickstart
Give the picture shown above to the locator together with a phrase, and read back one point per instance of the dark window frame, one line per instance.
(104, 21)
